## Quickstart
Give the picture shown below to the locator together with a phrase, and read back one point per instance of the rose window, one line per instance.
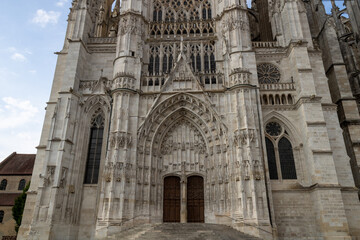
(268, 73)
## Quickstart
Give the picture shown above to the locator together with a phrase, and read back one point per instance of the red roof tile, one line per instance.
(8, 199)
(18, 164)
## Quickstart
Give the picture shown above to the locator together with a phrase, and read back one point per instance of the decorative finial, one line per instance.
(181, 44)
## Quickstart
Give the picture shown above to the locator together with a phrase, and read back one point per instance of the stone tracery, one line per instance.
(268, 73)
(188, 18)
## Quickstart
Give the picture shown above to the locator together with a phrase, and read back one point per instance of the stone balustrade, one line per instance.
(277, 93)
(277, 86)
(265, 44)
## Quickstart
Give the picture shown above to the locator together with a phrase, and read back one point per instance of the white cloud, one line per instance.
(27, 51)
(5, 73)
(33, 71)
(16, 112)
(18, 57)
(43, 17)
(11, 49)
(20, 124)
(61, 3)
(20, 142)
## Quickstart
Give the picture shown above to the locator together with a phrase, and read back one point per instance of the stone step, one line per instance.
(183, 231)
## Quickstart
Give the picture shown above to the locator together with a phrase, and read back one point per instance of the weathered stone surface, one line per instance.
(179, 95)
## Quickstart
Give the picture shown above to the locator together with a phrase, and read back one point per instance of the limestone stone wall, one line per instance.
(7, 227)
(294, 215)
(204, 115)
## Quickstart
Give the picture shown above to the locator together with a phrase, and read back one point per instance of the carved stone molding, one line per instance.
(113, 170)
(64, 172)
(120, 140)
(48, 177)
(231, 23)
(94, 100)
(256, 169)
(131, 24)
(123, 80)
(238, 76)
(243, 136)
(247, 169)
(194, 143)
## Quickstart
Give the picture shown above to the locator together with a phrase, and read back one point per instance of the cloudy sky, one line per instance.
(31, 31)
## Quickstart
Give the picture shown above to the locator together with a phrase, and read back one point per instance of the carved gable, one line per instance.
(182, 78)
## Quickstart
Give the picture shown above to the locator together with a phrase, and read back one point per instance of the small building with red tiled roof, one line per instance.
(15, 173)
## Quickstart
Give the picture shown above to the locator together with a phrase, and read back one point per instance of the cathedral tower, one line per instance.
(190, 111)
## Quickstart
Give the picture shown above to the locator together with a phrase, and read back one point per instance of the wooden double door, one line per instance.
(194, 199)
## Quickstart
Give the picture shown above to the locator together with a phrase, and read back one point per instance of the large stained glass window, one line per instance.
(271, 159)
(94, 152)
(279, 152)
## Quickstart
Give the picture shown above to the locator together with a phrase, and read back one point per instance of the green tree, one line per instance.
(18, 208)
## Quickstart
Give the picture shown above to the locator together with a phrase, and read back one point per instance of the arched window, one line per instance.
(94, 152)
(206, 63)
(279, 152)
(286, 159)
(155, 16)
(157, 65)
(3, 184)
(151, 65)
(170, 65)
(212, 63)
(271, 159)
(22, 184)
(1, 216)
(165, 64)
(198, 63)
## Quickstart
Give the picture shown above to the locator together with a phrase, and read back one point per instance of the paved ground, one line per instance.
(179, 231)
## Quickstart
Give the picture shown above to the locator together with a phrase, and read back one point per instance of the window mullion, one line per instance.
(277, 159)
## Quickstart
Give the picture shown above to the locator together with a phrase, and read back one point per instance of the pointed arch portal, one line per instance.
(181, 146)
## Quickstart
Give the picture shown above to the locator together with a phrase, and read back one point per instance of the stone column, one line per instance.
(183, 199)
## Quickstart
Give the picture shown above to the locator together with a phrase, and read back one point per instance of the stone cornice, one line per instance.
(80, 41)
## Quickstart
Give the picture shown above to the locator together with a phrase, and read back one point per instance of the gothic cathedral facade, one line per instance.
(191, 111)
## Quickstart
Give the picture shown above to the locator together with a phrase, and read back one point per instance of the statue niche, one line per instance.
(107, 19)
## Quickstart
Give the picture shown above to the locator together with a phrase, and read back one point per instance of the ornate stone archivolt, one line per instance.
(182, 135)
(160, 134)
(201, 112)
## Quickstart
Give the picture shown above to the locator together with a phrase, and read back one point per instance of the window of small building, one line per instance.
(22, 184)
(3, 184)
(1, 216)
